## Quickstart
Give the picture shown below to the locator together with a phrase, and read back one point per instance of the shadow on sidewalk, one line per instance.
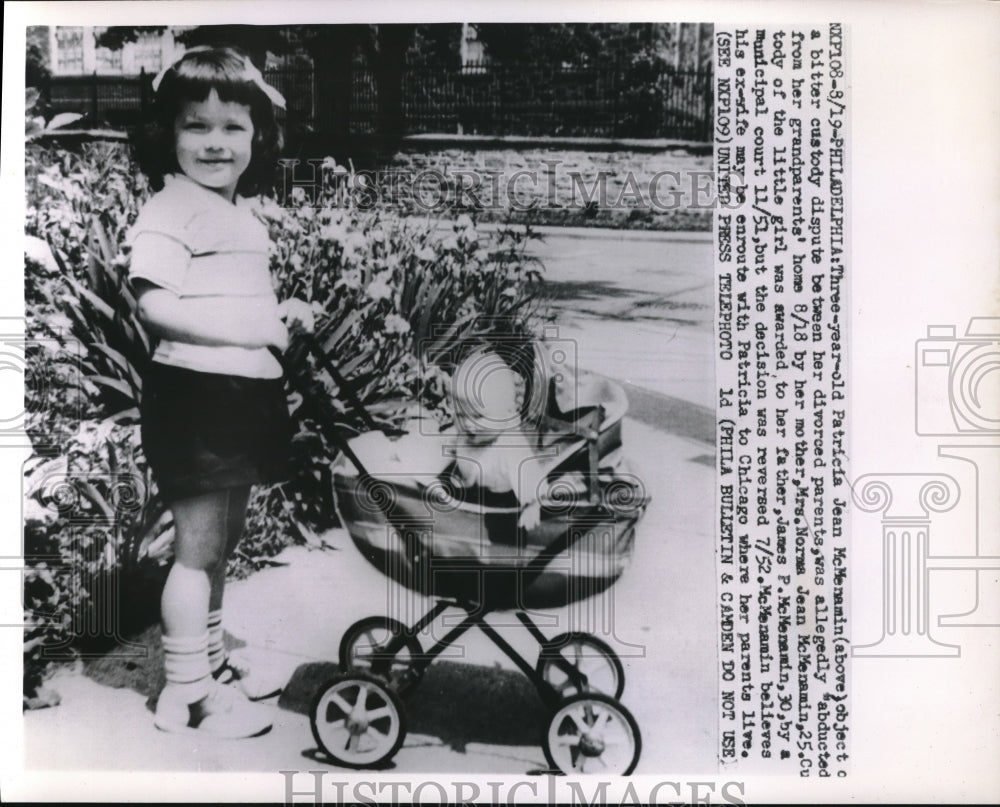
(456, 703)
(138, 663)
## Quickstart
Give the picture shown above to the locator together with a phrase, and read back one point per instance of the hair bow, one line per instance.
(252, 73)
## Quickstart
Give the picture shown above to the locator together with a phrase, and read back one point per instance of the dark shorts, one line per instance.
(203, 432)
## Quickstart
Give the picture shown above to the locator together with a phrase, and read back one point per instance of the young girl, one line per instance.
(214, 416)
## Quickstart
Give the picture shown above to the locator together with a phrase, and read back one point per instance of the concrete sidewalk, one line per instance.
(638, 311)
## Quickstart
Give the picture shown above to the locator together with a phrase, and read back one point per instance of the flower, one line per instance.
(378, 289)
(463, 222)
(425, 253)
(269, 209)
(355, 242)
(396, 324)
(329, 164)
(58, 323)
(377, 235)
(350, 279)
(38, 251)
(298, 194)
(449, 243)
(334, 231)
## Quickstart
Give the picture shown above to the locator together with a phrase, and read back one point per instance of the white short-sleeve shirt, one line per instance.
(506, 464)
(191, 241)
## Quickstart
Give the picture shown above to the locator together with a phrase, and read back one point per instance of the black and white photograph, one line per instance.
(521, 403)
(374, 421)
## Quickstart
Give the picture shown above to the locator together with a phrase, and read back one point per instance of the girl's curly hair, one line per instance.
(192, 78)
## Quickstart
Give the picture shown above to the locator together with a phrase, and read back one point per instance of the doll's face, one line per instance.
(214, 142)
(485, 400)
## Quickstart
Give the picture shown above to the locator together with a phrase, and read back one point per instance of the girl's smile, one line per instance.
(214, 142)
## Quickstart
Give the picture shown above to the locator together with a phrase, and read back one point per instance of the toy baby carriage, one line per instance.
(463, 548)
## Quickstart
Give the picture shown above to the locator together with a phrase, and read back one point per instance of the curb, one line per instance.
(620, 234)
(444, 139)
(598, 233)
(667, 413)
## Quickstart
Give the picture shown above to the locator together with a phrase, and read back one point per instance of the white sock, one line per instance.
(185, 659)
(216, 640)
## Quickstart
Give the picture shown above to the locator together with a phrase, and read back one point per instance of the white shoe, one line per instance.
(236, 672)
(224, 712)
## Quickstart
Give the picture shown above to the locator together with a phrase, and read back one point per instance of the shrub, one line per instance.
(92, 529)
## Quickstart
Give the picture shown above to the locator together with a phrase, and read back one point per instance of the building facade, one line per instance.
(73, 52)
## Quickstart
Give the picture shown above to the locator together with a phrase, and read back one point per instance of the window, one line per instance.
(69, 50)
(148, 52)
(109, 61)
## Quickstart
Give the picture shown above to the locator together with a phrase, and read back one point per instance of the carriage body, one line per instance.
(466, 544)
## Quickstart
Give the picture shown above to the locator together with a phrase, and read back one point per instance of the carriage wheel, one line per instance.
(357, 721)
(363, 649)
(595, 661)
(592, 733)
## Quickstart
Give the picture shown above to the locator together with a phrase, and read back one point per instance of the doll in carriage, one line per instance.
(525, 503)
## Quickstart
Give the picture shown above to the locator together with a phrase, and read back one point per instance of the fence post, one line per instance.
(143, 97)
(500, 106)
(93, 97)
(614, 95)
(45, 91)
(709, 117)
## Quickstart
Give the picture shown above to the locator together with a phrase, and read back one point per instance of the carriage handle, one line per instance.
(294, 380)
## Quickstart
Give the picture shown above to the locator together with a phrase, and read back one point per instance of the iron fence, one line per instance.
(617, 101)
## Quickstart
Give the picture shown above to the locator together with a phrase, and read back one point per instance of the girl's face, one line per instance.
(214, 140)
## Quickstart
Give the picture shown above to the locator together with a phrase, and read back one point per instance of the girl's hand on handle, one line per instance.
(531, 515)
(297, 315)
(277, 336)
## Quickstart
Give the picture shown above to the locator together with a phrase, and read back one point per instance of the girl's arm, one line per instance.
(159, 265)
(208, 321)
(530, 474)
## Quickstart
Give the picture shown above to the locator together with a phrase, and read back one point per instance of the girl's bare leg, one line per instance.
(236, 510)
(199, 546)
(235, 518)
(191, 700)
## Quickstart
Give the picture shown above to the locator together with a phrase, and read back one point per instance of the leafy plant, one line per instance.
(93, 526)
(35, 126)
